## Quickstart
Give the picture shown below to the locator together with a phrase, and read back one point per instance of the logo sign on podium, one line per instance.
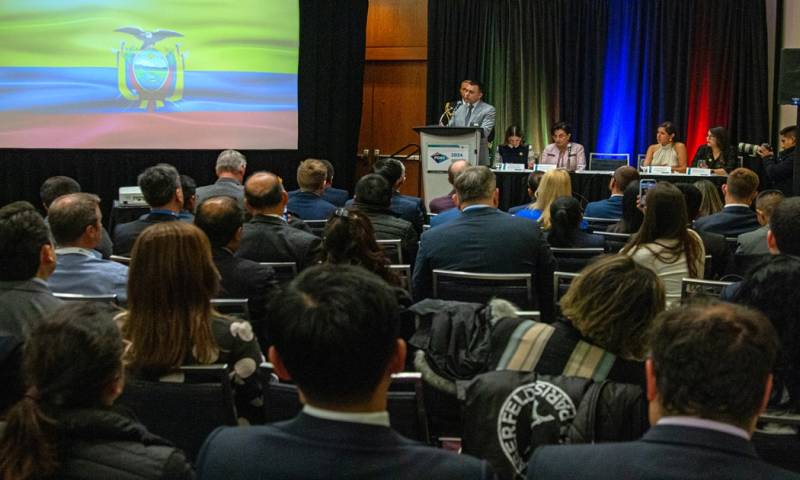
(442, 156)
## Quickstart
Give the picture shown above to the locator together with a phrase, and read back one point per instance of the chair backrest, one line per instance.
(120, 259)
(232, 306)
(392, 247)
(574, 259)
(482, 287)
(640, 158)
(608, 161)
(694, 287)
(183, 411)
(110, 298)
(534, 315)
(404, 272)
(614, 241)
(284, 271)
(561, 283)
(597, 224)
(316, 226)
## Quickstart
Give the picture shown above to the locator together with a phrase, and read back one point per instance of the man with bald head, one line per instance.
(269, 236)
(75, 221)
(445, 202)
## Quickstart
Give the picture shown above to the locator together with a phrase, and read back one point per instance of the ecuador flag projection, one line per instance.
(149, 74)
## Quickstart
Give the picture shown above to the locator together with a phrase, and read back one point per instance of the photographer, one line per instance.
(780, 167)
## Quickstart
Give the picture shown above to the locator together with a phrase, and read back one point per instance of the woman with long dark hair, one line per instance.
(631, 215)
(717, 154)
(565, 226)
(64, 427)
(664, 243)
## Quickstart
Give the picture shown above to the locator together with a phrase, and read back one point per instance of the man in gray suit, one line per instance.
(755, 242)
(473, 111)
(230, 169)
(27, 259)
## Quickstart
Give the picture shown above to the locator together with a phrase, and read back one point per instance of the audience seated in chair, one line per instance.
(269, 236)
(631, 215)
(498, 242)
(340, 347)
(736, 217)
(307, 203)
(336, 196)
(755, 242)
(445, 202)
(713, 243)
(565, 224)
(75, 221)
(161, 188)
(27, 259)
(712, 203)
(554, 184)
(189, 187)
(170, 321)
(220, 218)
(611, 207)
(65, 427)
(708, 379)
(532, 182)
(664, 244)
(230, 168)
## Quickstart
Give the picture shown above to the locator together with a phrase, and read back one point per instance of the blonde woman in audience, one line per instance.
(712, 203)
(554, 184)
(663, 243)
(170, 321)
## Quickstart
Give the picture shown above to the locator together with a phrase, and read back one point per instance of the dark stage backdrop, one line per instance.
(614, 69)
(332, 46)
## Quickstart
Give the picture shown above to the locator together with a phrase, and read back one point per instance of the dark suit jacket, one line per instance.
(409, 208)
(440, 204)
(309, 206)
(23, 305)
(721, 257)
(389, 227)
(307, 447)
(489, 241)
(731, 221)
(780, 170)
(665, 452)
(611, 207)
(242, 278)
(336, 196)
(125, 234)
(223, 187)
(270, 239)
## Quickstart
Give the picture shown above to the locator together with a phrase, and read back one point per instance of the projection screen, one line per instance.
(149, 74)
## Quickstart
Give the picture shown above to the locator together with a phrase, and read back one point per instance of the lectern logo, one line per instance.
(150, 76)
(439, 157)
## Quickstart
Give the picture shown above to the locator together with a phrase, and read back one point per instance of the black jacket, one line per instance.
(106, 444)
(270, 239)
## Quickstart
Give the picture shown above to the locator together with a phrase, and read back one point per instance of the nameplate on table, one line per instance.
(544, 167)
(658, 169)
(699, 172)
(510, 167)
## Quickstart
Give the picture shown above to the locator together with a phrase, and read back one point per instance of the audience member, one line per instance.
(170, 321)
(189, 187)
(607, 314)
(230, 169)
(220, 218)
(736, 217)
(632, 217)
(565, 226)
(57, 186)
(712, 203)
(405, 206)
(340, 346)
(307, 203)
(533, 180)
(336, 196)
(555, 183)
(717, 154)
(780, 168)
(667, 152)
(708, 379)
(755, 242)
(64, 427)
(498, 242)
(75, 221)
(269, 236)
(445, 202)
(513, 149)
(611, 207)
(373, 199)
(713, 243)
(161, 188)
(563, 152)
(27, 259)
(664, 244)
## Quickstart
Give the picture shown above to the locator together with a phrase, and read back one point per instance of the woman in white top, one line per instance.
(664, 244)
(667, 152)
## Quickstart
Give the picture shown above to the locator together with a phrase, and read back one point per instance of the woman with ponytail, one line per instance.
(565, 223)
(64, 426)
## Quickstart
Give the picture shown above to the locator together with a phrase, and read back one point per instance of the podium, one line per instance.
(440, 146)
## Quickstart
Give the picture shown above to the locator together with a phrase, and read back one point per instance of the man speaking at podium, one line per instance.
(471, 111)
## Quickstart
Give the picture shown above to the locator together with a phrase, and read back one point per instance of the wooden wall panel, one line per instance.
(397, 23)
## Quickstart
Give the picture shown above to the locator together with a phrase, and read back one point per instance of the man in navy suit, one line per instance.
(340, 346)
(486, 240)
(336, 196)
(307, 203)
(736, 217)
(611, 207)
(708, 379)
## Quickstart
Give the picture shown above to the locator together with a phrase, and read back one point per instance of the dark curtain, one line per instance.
(330, 73)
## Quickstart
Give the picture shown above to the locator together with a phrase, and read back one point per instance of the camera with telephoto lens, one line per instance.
(752, 149)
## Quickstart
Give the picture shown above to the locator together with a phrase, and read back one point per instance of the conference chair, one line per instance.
(607, 162)
(404, 272)
(110, 298)
(482, 287)
(693, 288)
(574, 259)
(183, 407)
(316, 226)
(232, 306)
(597, 224)
(640, 159)
(120, 259)
(534, 315)
(614, 241)
(776, 440)
(561, 283)
(284, 271)
(392, 248)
